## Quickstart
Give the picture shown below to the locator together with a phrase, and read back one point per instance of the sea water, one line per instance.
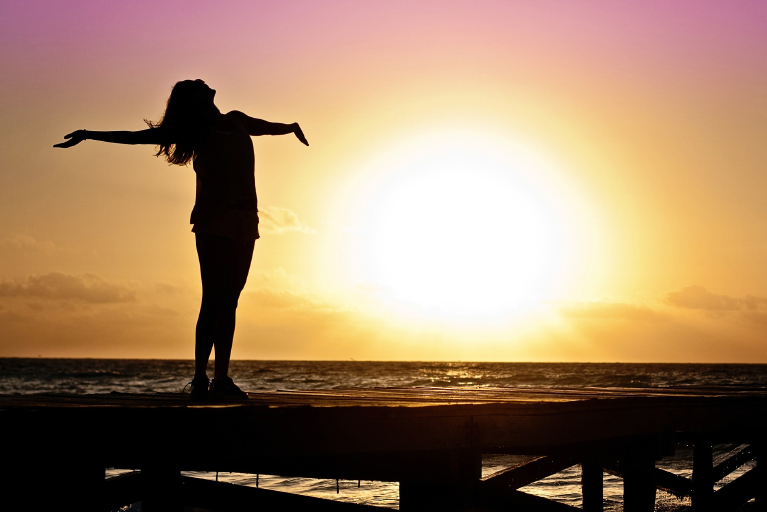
(22, 376)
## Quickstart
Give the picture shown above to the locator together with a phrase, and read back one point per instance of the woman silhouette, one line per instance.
(225, 214)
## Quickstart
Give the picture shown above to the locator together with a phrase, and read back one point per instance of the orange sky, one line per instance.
(549, 181)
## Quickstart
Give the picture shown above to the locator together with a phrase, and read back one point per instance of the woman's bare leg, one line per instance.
(213, 329)
(224, 344)
(224, 266)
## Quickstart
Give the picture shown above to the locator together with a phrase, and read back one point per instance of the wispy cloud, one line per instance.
(89, 288)
(611, 310)
(697, 297)
(22, 242)
(278, 220)
(291, 301)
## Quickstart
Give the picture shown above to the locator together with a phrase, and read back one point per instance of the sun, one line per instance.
(464, 228)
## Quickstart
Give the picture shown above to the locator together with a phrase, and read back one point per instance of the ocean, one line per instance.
(22, 376)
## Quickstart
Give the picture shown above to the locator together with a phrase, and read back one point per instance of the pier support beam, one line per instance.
(85, 485)
(161, 489)
(639, 481)
(592, 481)
(452, 492)
(67, 481)
(434, 497)
(78, 485)
(761, 475)
(702, 475)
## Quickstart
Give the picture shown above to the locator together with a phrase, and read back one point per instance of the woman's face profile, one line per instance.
(208, 92)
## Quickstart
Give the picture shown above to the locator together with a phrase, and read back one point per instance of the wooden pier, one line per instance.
(430, 440)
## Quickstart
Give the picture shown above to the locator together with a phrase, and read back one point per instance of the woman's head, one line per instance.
(187, 118)
(192, 96)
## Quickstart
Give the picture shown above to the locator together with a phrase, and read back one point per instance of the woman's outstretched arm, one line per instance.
(152, 136)
(260, 127)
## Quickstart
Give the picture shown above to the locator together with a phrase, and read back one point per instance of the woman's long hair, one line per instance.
(184, 122)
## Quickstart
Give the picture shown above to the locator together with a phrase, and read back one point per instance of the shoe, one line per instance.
(199, 388)
(226, 390)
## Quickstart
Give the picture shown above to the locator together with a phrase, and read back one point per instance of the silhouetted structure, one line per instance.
(225, 214)
(431, 440)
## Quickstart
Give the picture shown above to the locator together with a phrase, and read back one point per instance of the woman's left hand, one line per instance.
(300, 134)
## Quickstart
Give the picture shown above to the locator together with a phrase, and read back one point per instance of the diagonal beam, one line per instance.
(673, 483)
(503, 500)
(665, 480)
(737, 492)
(122, 490)
(527, 472)
(730, 464)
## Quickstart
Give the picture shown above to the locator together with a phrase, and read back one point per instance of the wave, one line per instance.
(94, 374)
(141, 376)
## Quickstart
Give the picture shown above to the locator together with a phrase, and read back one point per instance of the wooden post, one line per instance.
(452, 492)
(78, 484)
(639, 481)
(761, 475)
(592, 485)
(161, 489)
(88, 486)
(702, 475)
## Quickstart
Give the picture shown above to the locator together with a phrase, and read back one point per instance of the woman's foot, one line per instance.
(226, 390)
(199, 388)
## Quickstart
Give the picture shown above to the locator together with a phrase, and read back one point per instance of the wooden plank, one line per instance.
(528, 472)
(392, 396)
(349, 430)
(365, 425)
(393, 434)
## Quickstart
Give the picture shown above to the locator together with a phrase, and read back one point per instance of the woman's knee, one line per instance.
(220, 302)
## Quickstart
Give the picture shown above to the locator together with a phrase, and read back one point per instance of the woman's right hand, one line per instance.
(75, 138)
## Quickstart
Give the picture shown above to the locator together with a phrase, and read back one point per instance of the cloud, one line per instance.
(168, 288)
(611, 310)
(30, 243)
(751, 302)
(290, 301)
(89, 288)
(275, 278)
(697, 297)
(278, 220)
(755, 317)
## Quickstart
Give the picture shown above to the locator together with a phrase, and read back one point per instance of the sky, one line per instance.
(486, 180)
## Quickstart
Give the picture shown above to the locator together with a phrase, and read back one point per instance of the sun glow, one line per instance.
(463, 226)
